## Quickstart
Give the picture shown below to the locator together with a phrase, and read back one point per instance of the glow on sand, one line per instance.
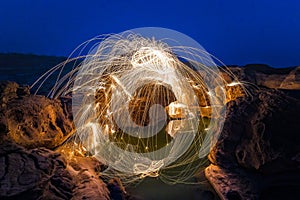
(145, 106)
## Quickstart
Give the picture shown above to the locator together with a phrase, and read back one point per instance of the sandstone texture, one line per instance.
(32, 121)
(257, 155)
(33, 164)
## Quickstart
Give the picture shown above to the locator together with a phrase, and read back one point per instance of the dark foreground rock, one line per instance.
(258, 153)
(45, 174)
(33, 164)
(33, 174)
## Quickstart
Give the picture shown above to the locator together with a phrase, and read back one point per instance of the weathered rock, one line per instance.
(117, 191)
(33, 174)
(263, 75)
(86, 179)
(11, 90)
(32, 121)
(39, 173)
(258, 148)
(45, 174)
(292, 81)
(233, 183)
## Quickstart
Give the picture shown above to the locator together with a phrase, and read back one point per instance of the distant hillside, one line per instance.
(25, 68)
(28, 60)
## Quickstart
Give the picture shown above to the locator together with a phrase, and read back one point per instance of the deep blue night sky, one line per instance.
(237, 32)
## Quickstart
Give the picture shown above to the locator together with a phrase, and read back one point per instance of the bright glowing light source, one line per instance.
(234, 83)
(146, 106)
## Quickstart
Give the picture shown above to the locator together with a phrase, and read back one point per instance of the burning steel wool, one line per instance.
(145, 106)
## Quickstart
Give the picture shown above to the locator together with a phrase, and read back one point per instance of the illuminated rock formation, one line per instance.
(28, 170)
(32, 121)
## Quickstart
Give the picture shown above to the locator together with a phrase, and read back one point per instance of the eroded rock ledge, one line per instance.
(31, 167)
(258, 153)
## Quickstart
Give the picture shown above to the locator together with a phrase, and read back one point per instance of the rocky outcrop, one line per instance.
(45, 174)
(33, 163)
(33, 174)
(263, 75)
(86, 179)
(292, 81)
(258, 150)
(32, 121)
